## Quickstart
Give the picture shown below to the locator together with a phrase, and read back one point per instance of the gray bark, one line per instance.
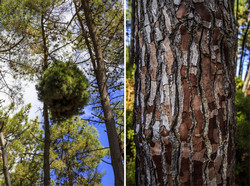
(184, 117)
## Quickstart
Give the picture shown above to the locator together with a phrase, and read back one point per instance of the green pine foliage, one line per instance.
(76, 152)
(63, 88)
(23, 138)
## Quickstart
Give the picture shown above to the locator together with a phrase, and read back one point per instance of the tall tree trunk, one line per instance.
(5, 160)
(242, 49)
(131, 47)
(46, 165)
(46, 156)
(184, 118)
(100, 73)
(246, 84)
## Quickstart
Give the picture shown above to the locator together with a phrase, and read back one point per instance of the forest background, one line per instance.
(242, 99)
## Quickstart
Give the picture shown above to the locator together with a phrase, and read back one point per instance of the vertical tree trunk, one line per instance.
(46, 156)
(246, 84)
(242, 49)
(184, 118)
(5, 160)
(131, 47)
(46, 166)
(100, 72)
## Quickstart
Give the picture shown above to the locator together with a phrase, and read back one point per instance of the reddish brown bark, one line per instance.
(184, 92)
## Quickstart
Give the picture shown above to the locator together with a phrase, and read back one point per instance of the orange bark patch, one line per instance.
(164, 131)
(212, 128)
(183, 72)
(184, 38)
(150, 109)
(169, 54)
(216, 36)
(147, 132)
(211, 170)
(196, 103)
(157, 114)
(199, 119)
(213, 68)
(193, 80)
(183, 132)
(140, 39)
(185, 151)
(199, 156)
(203, 11)
(186, 120)
(182, 11)
(197, 174)
(155, 148)
(207, 78)
(198, 144)
(222, 122)
(186, 93)
(185, 172)
(153, 60)
(168, 155)
(158, 164)
(218, 14)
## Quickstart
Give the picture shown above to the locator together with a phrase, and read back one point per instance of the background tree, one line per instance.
(130, 145)
(184, 117)
(102, 38)
(22, 145)
(242, 15)
(76, 153)
(242, 104)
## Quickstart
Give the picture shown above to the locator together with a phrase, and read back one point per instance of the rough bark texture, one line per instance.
(184, 118)
(5, 160)
(100, 72)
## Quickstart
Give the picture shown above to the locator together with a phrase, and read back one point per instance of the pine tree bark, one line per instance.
(184, 117)
(5, 160)
(100, 73)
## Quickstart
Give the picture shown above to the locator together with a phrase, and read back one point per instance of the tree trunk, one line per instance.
(246, 84)
(5, 160)
(100, 73)
(242, 49)
(46, 166)
(184, 118)
(131, 47)
(46, 156)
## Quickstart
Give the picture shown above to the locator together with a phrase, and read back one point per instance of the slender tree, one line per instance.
(184, 118)
(98, 46)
